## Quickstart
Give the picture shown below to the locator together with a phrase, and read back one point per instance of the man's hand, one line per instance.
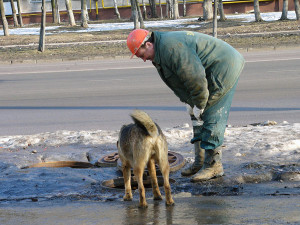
(194, 111)
(197, 113)
(189, 109)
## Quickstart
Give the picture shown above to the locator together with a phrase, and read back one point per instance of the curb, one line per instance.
(40, 61)
(119, 57)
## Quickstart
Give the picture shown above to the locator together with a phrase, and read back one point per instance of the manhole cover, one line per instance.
(118, 183)
(176, 161)
(109, 160)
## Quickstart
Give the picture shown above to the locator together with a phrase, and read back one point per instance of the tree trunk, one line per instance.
(20, 13)
(13, 9)
(138, 8)
(284, 10)
(215, 20)
(84, 14)
(54, 16)
(55, 12)
(171, 9)
(168, 11)
(161, 13)
(70, 13)
(144, 10)
(257, 11)
(153, 8)
(207, 10)
(116, 9)
(42, 31)
(175, 10)
(221, 11)
(297, 9)
(4, 20)
(134, 15)
(184, 8)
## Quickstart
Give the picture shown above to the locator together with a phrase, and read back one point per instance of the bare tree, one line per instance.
(84, 14)
(153, 8)
(42, 31)
(55, 11)
(284, 10)
(116, 9)
(161, 13)
(257, 11)
(184, 8)
(70, 13)
(4, 20)
(215, 18)
(168, 9)
(137, 4)
(14, 13)
(134, 15)
(207, 10)
(175, 10)
(20, 13)
(297, 9)
(144, 10)
(221, 11)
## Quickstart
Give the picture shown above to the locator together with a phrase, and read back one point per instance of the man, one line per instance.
(203, 72)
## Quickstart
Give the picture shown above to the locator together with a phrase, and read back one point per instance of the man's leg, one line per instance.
(212, 136)
(199, 152)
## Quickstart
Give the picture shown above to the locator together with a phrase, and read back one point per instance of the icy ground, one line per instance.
(272, 16)
(267, 141)
(266, 152)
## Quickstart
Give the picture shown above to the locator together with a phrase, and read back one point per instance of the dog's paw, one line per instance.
(143, 206)
(127, 197)
(170, 203)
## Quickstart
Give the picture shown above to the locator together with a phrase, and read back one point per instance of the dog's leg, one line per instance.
(138, 173)
(127, 182)
(152, 173)
(165, 170)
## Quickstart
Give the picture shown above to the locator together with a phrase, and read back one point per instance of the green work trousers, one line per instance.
(211, 133)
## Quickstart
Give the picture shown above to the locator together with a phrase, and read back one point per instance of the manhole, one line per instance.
(118, 183)
(72, 164)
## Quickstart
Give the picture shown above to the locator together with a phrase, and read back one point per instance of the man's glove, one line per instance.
(189, 109)
(194, 111)
(197, 113)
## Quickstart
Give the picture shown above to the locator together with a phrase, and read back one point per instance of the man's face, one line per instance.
(147, 52)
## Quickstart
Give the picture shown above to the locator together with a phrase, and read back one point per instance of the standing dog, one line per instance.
(141, 144)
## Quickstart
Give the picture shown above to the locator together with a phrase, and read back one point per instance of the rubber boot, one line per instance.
(199, 161)
(212, 167)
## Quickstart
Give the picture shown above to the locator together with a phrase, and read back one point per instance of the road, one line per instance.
(89, 95)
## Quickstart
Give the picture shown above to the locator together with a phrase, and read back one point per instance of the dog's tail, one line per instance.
(144, 121)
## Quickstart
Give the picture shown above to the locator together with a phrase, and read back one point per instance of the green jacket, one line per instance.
(200, 69)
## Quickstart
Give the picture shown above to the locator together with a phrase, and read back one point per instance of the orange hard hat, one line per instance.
(135, 40)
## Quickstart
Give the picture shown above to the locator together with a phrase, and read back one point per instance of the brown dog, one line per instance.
(141, 144)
